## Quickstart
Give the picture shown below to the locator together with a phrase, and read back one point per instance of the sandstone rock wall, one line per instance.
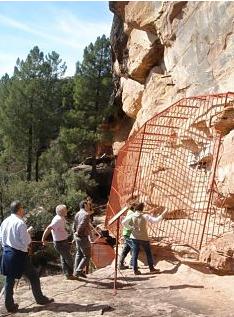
(165, 51)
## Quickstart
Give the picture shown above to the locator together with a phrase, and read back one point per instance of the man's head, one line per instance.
(17, 208)
(132, 202)
(139, 207)
(61, 210)
(83, 204)
(88, 198)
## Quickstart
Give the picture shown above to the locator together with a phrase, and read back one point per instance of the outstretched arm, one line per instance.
(155, 219)
(126, 221)
(45, 235)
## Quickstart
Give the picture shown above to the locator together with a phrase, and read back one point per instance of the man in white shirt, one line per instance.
(15, 239)
(60, 238)
(137, 223)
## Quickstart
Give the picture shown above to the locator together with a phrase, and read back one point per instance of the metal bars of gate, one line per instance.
(171, 163)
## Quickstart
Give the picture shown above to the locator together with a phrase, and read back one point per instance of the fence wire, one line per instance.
(171, 163)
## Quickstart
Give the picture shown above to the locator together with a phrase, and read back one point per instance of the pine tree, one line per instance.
(32, 109)
(92, 90)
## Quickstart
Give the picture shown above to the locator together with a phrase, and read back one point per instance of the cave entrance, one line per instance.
(172, 163)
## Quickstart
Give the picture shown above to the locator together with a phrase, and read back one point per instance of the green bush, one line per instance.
(39, 219)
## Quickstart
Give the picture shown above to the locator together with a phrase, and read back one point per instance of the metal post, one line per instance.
(116, 257)
(142, 141)
(212, 182)
(210, 191)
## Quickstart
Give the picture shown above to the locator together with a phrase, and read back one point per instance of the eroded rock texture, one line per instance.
(220, 254)
(166, 51)
(225, 175)
(174, 49)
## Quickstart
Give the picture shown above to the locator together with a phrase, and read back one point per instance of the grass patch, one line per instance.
(1, 281)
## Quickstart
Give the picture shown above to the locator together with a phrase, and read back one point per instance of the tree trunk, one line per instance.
(29, 162)
(94, 166)
(98, 81)
(1, 207)
(37, 166)
(94, 163)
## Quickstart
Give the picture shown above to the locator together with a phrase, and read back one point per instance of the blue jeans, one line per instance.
(31, 274)
(135, 252)
(63, 249)
(83, 253)
(126, 249)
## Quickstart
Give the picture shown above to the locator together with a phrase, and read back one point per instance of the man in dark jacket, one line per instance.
(15, 239)
(81, 228)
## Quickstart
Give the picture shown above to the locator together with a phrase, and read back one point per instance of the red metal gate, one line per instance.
(170, 163)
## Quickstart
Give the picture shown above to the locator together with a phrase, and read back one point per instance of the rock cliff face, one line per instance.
(166, 51)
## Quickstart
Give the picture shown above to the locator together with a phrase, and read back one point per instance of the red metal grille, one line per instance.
(171, 163)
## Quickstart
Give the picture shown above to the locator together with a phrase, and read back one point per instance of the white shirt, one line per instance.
(13, 233)
(153, 219)
(59, 232)
(147, 217)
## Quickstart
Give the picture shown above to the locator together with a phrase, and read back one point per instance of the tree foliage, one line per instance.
(31, 107)
(49, 123)
(92, 90)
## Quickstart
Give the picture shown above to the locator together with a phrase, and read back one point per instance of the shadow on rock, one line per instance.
(142, 277)
(68, 308)
(107, 285)
(173, 270)
(182, 286)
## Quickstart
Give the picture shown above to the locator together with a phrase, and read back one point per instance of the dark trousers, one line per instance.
(83, 253)
(31, 274)
(127, 247)
(135, 252)
(63, 249)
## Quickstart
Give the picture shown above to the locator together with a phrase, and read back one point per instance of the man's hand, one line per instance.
(30, 229)
(44, 242)
(165, 212)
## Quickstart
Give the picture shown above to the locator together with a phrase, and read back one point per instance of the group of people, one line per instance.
(135, 234)
(15, 239)
(81, 231)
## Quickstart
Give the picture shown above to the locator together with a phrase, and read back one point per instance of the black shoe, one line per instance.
(13, 309)
(137, 272)
(153, 270)
(71, 277)
(123, 267)
(80, 274)
(45, 300)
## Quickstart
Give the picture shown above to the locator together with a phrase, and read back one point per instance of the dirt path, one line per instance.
(179, 291)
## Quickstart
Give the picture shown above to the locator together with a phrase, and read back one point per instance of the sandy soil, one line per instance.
(178, 291)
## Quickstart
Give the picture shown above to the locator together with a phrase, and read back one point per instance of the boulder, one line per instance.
(156, 95)
(131, 96)
(219, 254)
(122, 131)
(144, 52)
(223, 123)
(142, 14)
(225, 172)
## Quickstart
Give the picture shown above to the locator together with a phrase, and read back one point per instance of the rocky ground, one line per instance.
(179, 291)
